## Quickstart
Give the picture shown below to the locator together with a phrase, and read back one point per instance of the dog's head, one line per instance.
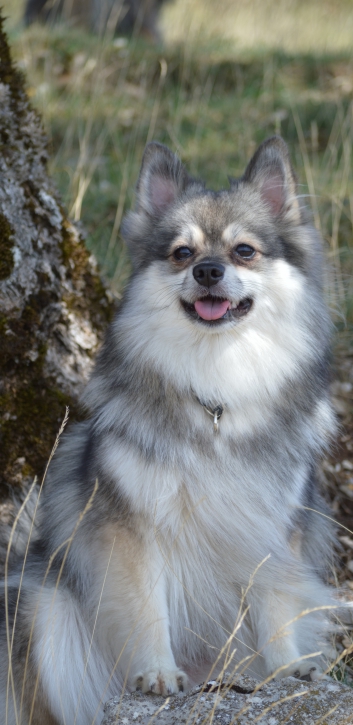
(221, 256)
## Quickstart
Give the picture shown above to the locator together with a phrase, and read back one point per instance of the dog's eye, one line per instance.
(182, 253)
(245, 251)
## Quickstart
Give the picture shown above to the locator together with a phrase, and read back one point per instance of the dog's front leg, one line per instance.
(135, 604)
(274, 616)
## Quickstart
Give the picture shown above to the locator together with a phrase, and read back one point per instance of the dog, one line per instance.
(180, 527)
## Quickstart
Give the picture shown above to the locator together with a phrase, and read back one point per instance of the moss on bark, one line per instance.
(6, 246)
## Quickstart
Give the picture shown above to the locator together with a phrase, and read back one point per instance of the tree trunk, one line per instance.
(53, 304)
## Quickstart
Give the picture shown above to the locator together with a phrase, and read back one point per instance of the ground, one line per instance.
(228, 75)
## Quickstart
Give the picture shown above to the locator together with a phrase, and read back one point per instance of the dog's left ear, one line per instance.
(271, 171)
(162, 179)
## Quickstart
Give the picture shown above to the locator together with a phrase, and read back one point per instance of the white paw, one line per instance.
(303, 670)
(161, 682)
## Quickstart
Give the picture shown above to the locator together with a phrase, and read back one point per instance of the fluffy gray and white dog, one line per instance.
(181, 523)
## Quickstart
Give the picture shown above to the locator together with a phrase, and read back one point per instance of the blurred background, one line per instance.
(211, 79)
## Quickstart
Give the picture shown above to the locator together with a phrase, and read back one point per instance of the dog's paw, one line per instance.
(161, 682)
(306, 670)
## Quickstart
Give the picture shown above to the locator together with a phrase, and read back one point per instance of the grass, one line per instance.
(222, 82)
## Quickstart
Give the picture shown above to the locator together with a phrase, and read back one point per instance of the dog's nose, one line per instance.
(208, 273)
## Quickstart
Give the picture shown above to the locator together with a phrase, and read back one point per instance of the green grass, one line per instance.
(229, 75)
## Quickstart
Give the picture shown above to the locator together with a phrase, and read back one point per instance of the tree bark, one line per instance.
(53, 304)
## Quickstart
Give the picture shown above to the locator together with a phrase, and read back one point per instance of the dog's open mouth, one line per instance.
(216, 309)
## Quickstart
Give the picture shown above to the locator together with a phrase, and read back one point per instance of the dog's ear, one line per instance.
(162, 179)
(271, 171)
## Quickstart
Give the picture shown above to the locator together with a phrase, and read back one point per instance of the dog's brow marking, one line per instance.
(230, 232)
(190, 234)
(197, 234)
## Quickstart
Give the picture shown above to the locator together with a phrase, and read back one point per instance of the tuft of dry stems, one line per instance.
(32, 490)
(227, 669)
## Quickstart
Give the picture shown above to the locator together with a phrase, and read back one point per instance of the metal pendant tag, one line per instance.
(217, 412)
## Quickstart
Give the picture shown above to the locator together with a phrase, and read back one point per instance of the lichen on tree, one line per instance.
(54, 306)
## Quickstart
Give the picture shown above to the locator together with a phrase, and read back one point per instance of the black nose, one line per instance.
(208, 273)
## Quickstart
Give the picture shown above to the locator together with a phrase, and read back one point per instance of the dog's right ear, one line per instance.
(270, 170)
(162, 179)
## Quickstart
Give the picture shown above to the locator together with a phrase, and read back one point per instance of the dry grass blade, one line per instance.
(66, 544)
(10, 640)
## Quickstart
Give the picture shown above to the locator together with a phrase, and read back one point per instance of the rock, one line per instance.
(291, 701)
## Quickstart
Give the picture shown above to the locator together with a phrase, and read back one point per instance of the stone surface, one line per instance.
(291, 701)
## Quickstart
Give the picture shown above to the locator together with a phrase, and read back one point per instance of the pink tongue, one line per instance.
(211, 309)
